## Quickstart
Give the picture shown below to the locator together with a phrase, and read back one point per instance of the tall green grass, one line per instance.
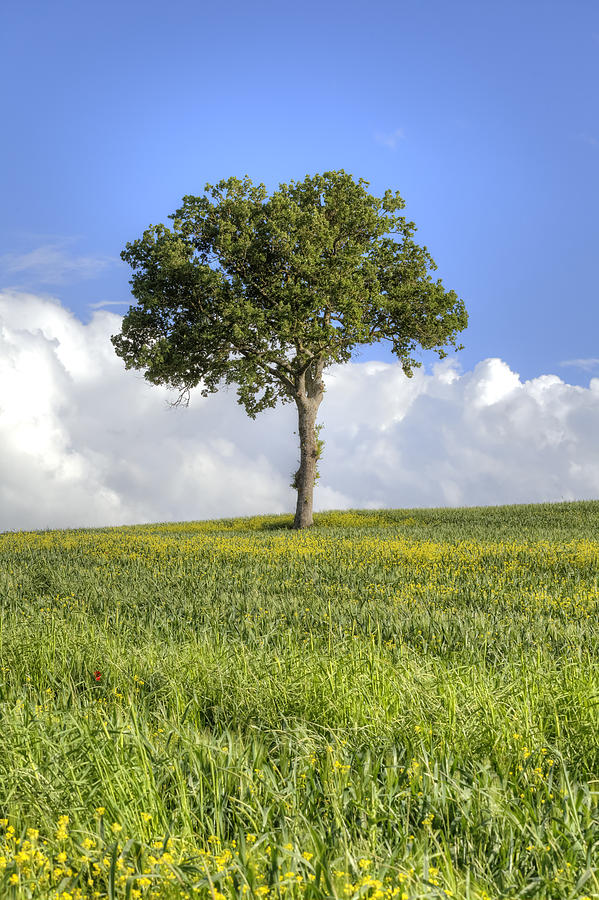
(394, 703)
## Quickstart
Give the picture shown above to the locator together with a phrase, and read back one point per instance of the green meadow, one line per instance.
(391, 704)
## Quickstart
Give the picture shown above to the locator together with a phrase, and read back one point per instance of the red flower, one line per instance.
(98, 675)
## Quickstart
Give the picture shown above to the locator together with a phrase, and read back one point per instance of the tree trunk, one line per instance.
(309, 391)
(305, 476)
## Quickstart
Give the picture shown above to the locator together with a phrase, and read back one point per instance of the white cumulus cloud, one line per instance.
(83, 442)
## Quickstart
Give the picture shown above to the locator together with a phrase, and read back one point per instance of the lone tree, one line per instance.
(266, 293)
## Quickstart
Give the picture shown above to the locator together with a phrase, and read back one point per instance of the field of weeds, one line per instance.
(391, 704)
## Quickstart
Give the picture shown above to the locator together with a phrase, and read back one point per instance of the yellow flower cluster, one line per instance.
(38, 868)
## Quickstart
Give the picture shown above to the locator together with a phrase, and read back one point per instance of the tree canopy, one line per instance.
(266, 292)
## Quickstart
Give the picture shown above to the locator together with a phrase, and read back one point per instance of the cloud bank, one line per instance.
(83, 442)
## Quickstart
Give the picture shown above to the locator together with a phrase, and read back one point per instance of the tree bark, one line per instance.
(308, 458)
(308, 399)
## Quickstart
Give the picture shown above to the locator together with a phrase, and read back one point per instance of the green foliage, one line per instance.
(319, 448)
(257, 290)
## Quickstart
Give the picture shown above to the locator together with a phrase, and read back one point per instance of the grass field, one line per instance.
(397, 703)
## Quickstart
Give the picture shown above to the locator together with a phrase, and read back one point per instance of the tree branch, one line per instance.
(251, 354)
(259, 353)
(182, 399)
(373, 332)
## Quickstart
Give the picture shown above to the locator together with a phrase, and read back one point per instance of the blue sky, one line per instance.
(484, 116)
